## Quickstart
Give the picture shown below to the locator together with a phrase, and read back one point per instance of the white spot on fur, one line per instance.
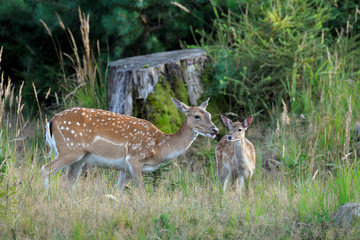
(98, 138)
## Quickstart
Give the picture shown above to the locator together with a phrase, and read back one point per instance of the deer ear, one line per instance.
(181, 106)
(204, 104)
(248, 121)
(227, 122)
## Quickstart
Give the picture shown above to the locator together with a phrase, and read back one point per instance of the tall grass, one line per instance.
(85, 83)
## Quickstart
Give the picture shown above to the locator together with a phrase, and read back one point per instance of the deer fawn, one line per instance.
(235, 155)
(107, 139)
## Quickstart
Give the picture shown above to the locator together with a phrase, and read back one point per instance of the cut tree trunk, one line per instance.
(136, 77)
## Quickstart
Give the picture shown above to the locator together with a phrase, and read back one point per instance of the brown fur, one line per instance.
(236, 159)
(130, 144)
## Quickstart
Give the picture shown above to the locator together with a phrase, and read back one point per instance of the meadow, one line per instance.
(311, 131)
(318, 173)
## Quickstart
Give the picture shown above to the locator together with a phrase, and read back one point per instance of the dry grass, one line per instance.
(85, 82)
(93, 209)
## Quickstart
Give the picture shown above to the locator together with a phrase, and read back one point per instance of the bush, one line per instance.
(256, 45)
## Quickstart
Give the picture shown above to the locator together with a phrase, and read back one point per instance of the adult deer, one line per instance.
(235, 155)
(107, 139)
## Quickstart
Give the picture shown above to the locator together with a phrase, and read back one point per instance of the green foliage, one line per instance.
(345, 184)
(87, 86)
(88, 95)
(124, 28)
(164, 229)
(258, 46)
(8, 202)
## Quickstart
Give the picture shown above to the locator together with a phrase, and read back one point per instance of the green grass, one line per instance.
(184, 205)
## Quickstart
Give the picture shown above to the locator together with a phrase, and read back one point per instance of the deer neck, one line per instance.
(177, 143)
(240, 150)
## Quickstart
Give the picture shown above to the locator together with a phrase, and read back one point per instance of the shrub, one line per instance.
(256, 45)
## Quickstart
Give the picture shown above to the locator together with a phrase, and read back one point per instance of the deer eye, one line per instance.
(197, 117)
(240, 130)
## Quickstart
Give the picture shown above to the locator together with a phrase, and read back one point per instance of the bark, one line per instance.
(136, 77)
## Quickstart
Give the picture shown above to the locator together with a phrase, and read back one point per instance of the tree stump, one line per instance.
(134, 79)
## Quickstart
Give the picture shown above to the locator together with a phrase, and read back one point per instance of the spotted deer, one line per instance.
(235, 155)
(107, 139)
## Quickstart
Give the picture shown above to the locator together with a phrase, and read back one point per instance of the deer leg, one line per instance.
(224, 174)
(74, 171)
(234, 180)
(135, 168)
(124, 179)
(241, 182)
(57, 164)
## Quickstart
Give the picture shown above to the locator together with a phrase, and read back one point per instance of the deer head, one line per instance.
(197, 118)
(236, 129)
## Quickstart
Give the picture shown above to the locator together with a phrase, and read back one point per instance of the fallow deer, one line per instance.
(235, 155)
(107, 139)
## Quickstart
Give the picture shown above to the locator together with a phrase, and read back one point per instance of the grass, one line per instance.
(197, 210)
(84, 80)
(311, 133)
(293, 203)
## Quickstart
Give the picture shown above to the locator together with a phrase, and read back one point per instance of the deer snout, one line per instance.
(215, 130)
(230, 138)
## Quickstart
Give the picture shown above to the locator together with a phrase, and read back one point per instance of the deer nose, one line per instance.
(215, 130)
(229, 137)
